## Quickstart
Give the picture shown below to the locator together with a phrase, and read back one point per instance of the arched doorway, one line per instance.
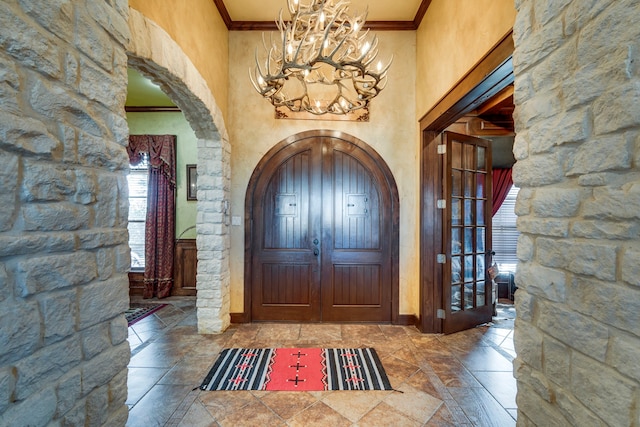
(182, 82)
(322, 232)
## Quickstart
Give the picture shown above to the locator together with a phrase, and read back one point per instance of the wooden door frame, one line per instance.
(395, 215)
(489, 76)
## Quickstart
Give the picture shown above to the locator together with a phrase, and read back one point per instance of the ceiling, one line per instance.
(142, 92)
(383, 14)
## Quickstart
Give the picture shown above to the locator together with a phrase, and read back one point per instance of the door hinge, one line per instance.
(440, 314)
(441, 258)
(441, 204)
(442, 149)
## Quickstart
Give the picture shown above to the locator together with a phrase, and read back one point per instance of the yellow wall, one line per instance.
(392, 132)
(197, 27)
(452, 38)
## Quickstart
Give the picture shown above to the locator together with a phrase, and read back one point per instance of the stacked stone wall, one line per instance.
(64, 254)
(577, 96)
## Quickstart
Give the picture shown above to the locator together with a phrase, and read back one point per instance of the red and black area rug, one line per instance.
(303, 369)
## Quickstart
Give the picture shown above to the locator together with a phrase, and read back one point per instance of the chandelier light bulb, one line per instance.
(342, 60)
(365, 48)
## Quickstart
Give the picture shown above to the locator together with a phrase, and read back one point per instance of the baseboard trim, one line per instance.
(407, 320)
(403, 319)
(238, 318)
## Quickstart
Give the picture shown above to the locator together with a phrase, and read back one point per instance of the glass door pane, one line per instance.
(469, 190)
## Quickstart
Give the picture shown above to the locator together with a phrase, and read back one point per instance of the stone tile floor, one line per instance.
(463, 379)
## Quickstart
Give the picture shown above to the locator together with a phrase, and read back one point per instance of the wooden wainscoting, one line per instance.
(136, 282)
(184, 271)
(185, 267)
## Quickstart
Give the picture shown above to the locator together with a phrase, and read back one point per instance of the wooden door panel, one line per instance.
(287, 205)
(286, 275)
(286, 284)
(467, 178)
(356, 205)
(356, 279)
(357, 285)
(185, 268)
(431, 225)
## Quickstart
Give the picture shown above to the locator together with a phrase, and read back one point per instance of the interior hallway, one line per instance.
(464, 379)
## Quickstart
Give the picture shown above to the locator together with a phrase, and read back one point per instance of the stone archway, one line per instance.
(156, 55)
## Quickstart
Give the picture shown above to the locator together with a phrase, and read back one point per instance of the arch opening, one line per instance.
(154, 54)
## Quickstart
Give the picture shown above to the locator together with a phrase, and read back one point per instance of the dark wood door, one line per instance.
(322, 243)
(466, 210)
(455, 232)
(356, 251)
(287, 231)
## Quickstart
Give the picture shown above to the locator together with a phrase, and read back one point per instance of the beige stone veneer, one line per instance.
(64, 254)
(577, 96)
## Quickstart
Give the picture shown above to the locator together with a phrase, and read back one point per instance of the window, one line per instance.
(505, 235)
(138, 179)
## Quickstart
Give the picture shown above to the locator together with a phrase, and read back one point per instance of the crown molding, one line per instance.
(224, 13)
(372, 25)
(422, 10)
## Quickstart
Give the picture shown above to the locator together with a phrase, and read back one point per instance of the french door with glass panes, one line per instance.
(457, 232)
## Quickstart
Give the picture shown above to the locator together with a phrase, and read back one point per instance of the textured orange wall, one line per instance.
(199, 30)
(453, 36)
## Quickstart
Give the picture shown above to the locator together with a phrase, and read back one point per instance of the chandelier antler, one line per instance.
(322, 63)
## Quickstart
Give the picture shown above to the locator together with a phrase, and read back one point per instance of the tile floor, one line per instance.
(463, 379)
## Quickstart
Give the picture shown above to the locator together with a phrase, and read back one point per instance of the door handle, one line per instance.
(316, 251)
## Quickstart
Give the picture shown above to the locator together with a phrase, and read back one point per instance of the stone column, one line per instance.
(64, 253)
(577, 96)
(212, 224)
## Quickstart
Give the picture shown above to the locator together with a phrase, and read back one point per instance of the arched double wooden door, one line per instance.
(322, 243)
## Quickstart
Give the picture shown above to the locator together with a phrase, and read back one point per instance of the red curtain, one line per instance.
(502, 183)
(160, 220)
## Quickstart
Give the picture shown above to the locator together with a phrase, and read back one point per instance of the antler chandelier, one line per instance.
(323, 63)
